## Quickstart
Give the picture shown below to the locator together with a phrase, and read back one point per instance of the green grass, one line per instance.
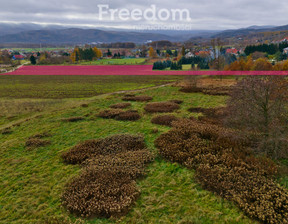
(124, 61)
(60, 87)
(33, 181)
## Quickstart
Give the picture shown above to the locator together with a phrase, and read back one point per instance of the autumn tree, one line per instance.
(183, 51)
(75, 56)
(97, 52)
(152, 52)
(259, 105)
(219, 61)
(262, 64)
(239, 65)
(285, 66)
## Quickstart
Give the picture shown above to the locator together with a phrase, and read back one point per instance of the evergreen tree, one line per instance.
(33, 60)
(109, 54)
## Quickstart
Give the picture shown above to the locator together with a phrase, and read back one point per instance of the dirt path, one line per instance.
(14, 69)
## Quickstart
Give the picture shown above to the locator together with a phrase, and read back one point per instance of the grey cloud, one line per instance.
(205, 14)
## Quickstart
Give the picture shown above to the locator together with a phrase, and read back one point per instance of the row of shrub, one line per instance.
(225, 166)
(106, 186)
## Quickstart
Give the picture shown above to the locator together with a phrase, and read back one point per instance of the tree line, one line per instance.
(266, 48)
(87, 54)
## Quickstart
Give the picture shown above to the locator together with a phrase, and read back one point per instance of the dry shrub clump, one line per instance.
(107, 186)
(100, 194)
(6, 131)
(72, 119)
(140, 98)
(214, 91)
(176, 101)
(85, 105)
(164, 120)
(161, 107)
(210, 115)
(132, 162)
(120, 105)
(130, 115)
(37, 140)
(110, 114)
(217, 91)
(118, 114)
(224, 165)
(106, 146)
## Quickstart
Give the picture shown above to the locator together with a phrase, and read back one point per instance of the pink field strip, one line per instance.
(124, 70)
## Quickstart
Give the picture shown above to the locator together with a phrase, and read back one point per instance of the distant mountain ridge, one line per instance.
(249, 31)
(29, 33)
(77, 35)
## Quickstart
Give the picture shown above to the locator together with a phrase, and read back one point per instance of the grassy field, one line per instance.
(33, 180)
(60, 87)
(22, 96)
(125, 61)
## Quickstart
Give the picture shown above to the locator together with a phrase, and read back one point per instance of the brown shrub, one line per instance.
(132, 162)
(36, 142)
(161, 107)
(106, 146)
(130, 115)
(85, 105)
(6, 131)
(137, 98)
(72, 119)
(154, 131)
(106, 187)
(256, 195)
(190, 89)
(176, 101)
(164, 120)
(100, 194)
(211, 115)
(215, 91)
(120, 105)
(108, 114)
(224, 166)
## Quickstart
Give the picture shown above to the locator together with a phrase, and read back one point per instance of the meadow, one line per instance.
(34, 179)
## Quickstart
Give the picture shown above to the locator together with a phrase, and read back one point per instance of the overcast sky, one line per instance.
(204, 14)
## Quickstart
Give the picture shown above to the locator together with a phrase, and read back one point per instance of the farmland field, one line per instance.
(126, 70)
(21, 96)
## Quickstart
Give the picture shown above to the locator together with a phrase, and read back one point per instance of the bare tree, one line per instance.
(259, 105)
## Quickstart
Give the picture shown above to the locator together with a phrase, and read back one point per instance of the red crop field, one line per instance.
(125, 70)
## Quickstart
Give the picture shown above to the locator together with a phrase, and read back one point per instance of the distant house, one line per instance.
(189, 55)
(232, 51)
(285, 50)
(284, 40)
(18, 57)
